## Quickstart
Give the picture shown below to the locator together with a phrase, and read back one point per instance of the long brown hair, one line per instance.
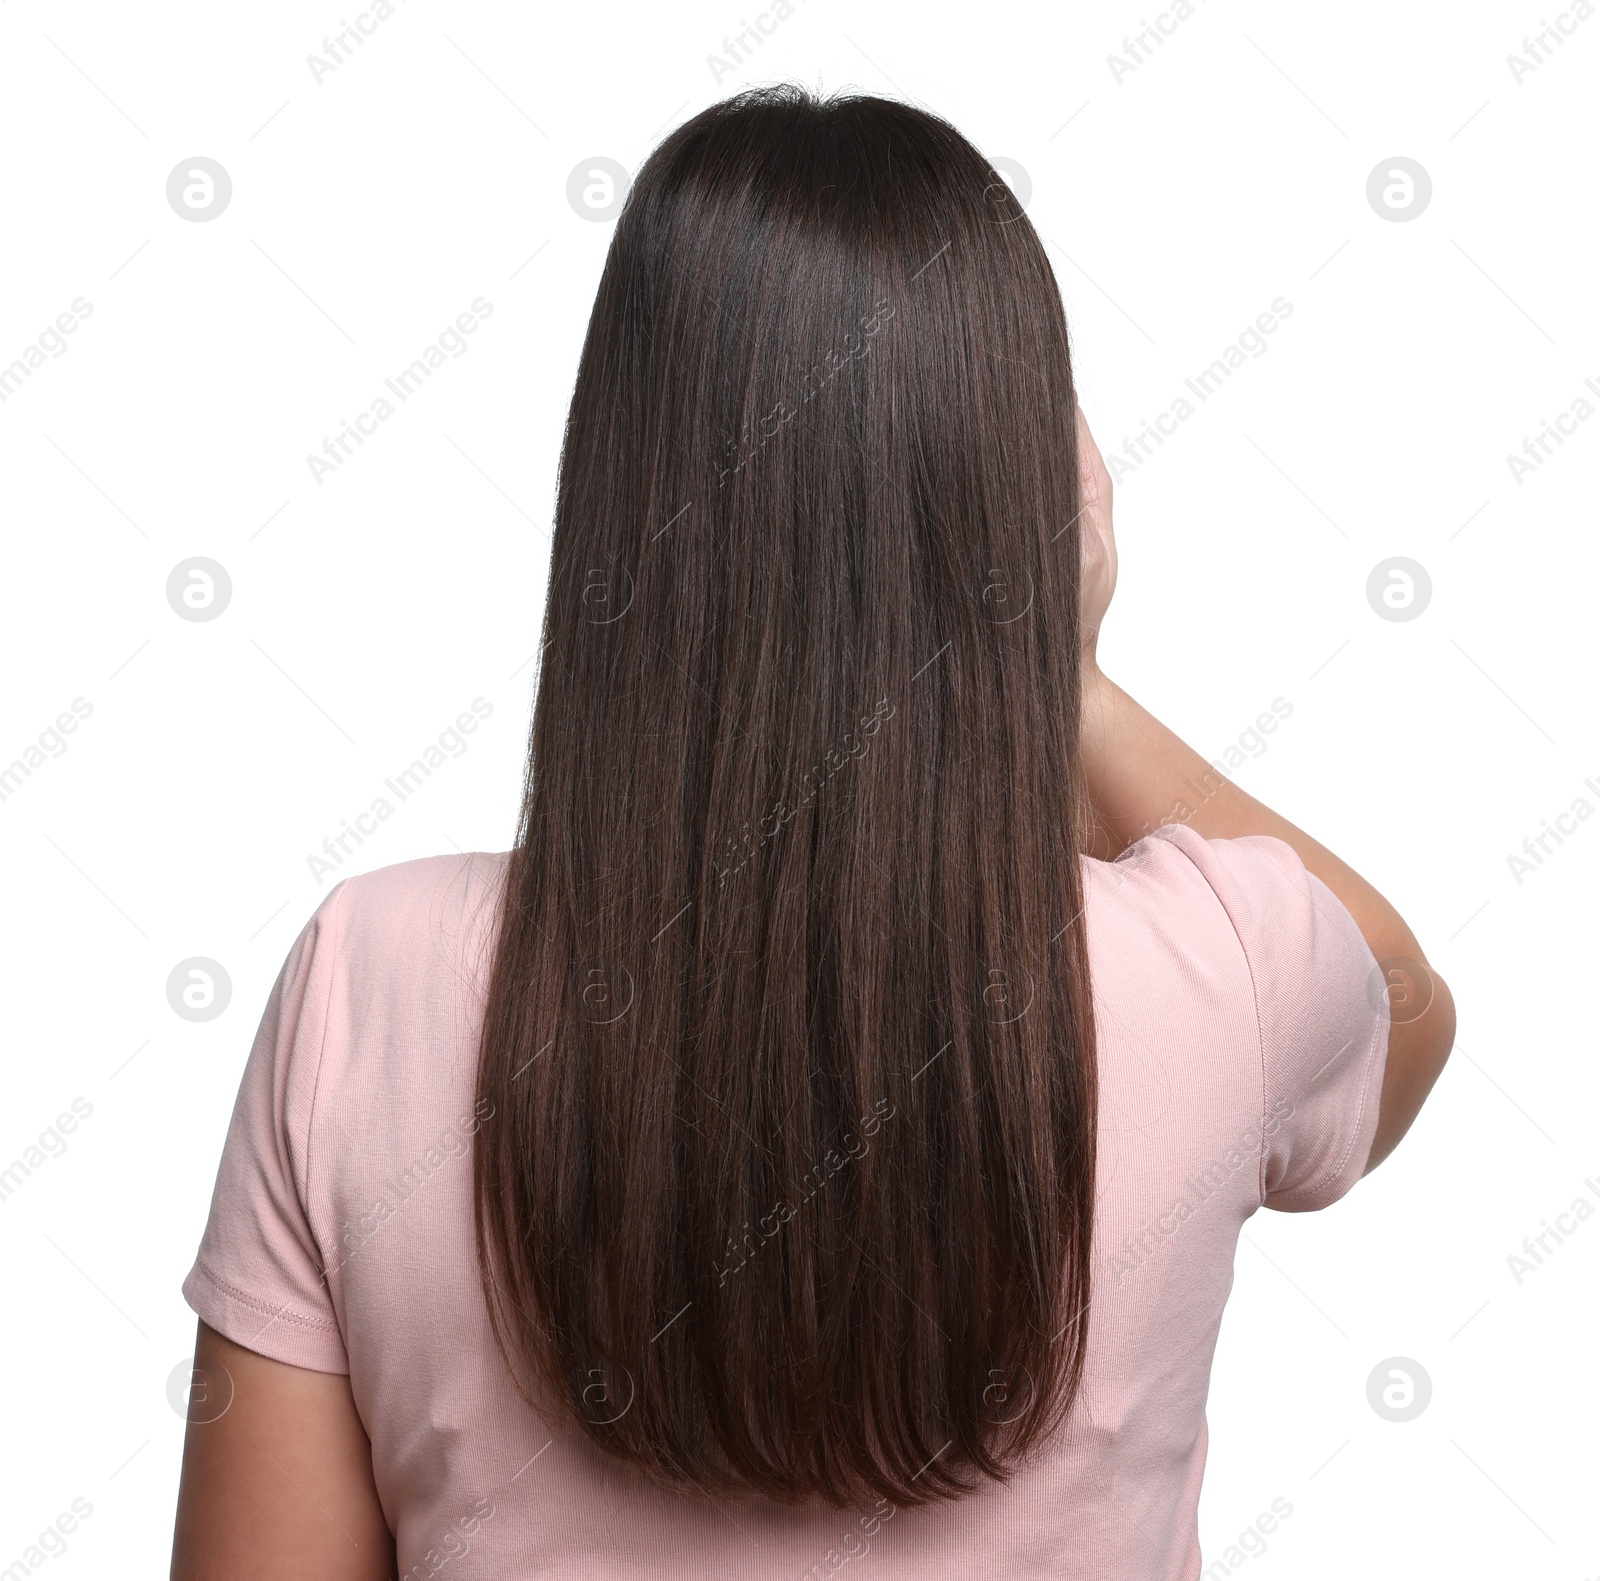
(789, 1040)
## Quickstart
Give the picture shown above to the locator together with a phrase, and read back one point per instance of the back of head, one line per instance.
(790, 1185)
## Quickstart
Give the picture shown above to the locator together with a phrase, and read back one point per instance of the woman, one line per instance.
(824, 1137)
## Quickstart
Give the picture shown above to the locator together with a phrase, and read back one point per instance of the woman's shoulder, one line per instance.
(1225, 921)
(1246, 883)
(398, 917)
(1176, 852)
(399, 960)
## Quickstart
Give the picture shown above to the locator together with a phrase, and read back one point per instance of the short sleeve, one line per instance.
(259, 1276)
(1322, 1012)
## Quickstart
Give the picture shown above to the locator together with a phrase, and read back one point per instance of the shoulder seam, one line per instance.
(333, 904)
(1255, 1000)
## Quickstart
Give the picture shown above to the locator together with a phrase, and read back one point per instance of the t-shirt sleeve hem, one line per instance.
(275, 1331)
(1352, 1161)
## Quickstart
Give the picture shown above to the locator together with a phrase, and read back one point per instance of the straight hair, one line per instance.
(789, 1036)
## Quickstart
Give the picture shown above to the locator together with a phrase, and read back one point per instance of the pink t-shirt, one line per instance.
(1241, 1038)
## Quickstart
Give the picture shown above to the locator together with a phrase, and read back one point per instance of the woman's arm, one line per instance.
(280, 1484)
(1141, 775)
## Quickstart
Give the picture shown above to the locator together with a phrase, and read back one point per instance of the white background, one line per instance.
(369, 610)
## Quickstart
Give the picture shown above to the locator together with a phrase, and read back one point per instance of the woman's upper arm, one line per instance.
(280, 1483)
